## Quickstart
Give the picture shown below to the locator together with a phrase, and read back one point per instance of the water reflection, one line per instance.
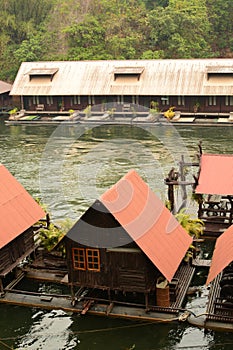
(49, 331)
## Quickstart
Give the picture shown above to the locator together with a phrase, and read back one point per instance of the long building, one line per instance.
(191, 85)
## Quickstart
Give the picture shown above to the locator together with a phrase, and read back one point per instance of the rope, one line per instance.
(184, 316)
(4, 344)
(113, 328)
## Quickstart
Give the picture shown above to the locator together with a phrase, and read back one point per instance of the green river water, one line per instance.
(68, 168)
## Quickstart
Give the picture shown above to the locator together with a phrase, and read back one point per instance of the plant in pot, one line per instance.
(196, 107)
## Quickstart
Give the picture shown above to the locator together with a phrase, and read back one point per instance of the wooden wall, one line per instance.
(15, 249)
(189, 101)
(125, 269)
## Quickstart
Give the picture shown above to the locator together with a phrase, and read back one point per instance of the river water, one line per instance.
(68, 168)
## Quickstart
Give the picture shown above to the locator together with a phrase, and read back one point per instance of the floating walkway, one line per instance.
(121, 118)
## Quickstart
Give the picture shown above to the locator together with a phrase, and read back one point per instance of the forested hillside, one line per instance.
(35, 30)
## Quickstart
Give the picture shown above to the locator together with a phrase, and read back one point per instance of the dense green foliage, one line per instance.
(34, 30)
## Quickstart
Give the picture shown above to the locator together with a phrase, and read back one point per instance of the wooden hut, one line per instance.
(5, 98)
(215, 186)
(18, 212)
(196, 86)
(123, 244)
(219, 310)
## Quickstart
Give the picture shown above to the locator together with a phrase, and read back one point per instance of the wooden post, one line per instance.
(47, 220)
(171, 196)
(172, 177)
(72, 294)
(1, 287)
(109, 294)
(182, 177)
(147, 301)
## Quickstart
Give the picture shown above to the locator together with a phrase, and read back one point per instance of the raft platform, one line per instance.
(218, 315)
(90, 301)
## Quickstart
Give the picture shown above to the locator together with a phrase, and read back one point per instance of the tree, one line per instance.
(181, 29)
(30, 50)
(111, 29)
(220, 15)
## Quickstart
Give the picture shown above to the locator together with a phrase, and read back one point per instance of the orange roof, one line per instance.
(216, 175)
(149, 223)
(18, 210)
(223, 254)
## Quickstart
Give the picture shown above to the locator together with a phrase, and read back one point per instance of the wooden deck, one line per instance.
(90, 302)
(218, 309)
(64, 302)
(184, 275)
(217, 216)
(216, 317)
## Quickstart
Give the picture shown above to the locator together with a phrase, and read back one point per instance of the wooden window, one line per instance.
(180, 100)
(135, 100)
(35, 100)
(212, 101)
(93, 259)
(165, 100)
(49, 100)
(91, 100)
(229, 101)
(75, 100)
(79, 261)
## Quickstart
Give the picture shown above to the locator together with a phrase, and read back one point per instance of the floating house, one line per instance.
(18, 213)
(220, 305)
(123, 246)
(219, 310)
(215, 186)
(5, 98)
(196, 86)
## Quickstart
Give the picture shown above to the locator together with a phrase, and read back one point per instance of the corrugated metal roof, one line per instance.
(159, 77)
(149, 223)
(223, 254)
(18, 210)
(216, 174)
(4, 87)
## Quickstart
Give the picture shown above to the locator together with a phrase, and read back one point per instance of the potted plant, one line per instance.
(87, 111)
(196, 107)
(154, 107)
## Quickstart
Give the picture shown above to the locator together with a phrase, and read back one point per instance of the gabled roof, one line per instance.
(149, 223)
(216, 174)
(223, 254)
(4, 87)
(167, 77)
(18, 210)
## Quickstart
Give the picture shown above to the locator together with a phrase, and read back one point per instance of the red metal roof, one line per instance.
(18, 210)
(223, 254)
(149, 223)
(216, 175)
